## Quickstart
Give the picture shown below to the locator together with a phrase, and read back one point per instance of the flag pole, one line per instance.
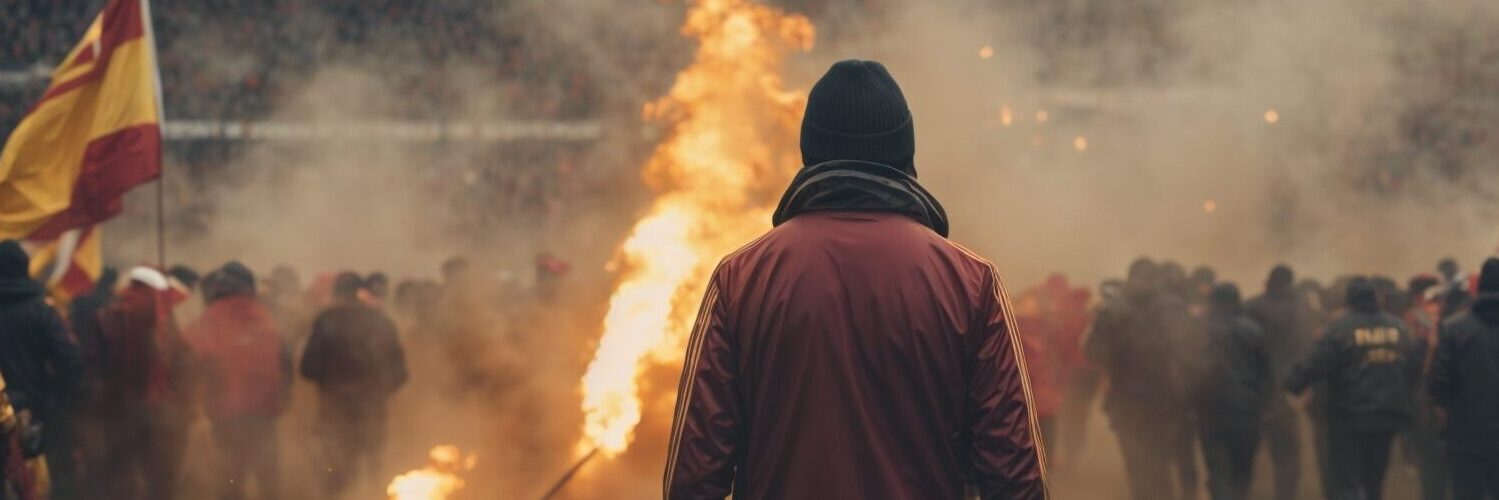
(161, 122)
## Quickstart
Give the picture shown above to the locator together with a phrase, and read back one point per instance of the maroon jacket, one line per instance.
(854, 353)
(247, 366)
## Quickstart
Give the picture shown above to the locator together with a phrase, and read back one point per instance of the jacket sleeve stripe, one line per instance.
(1003, 300)
(1025, 379)
(689, 376)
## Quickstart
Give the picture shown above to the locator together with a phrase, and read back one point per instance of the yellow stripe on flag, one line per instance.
(106, 86)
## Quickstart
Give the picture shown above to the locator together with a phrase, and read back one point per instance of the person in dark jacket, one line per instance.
(1464, 381)
(246, 367)
(1233, 387)
(146, 421)
(1135, 342)
(1181, 305)
(852, 351)
(1372, 365)
(72, 429)
(1422, 443)
(355, 359)
(42, 367)
(1287, 320)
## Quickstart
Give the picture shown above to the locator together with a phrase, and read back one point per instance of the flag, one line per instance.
(71, 264)
(93, 135)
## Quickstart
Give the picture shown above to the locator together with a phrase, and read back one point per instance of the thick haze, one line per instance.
(1172, 108)
(1159, 146)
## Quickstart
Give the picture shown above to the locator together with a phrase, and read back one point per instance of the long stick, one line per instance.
(557, 487)
(161, 223)
(161, 123)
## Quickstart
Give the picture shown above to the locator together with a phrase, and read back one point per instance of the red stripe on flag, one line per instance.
(122, 23)
(75, 281)
(112, 164)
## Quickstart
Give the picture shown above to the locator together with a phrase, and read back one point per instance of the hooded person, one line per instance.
(1464, 375)
(140, 368)
(853, 351)
(42, 368)
(246, 368)
(355, 359)
(1287, 322)
(1233, 387)
(1371, 364)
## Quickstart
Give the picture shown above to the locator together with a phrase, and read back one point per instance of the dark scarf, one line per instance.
(860, 186)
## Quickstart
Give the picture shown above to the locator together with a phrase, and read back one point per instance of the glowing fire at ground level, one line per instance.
(732, 139)
(438, 480)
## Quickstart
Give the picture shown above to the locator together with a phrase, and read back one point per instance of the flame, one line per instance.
(438, 480)
(733, 132)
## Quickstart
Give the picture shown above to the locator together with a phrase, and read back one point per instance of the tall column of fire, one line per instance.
(730, 147)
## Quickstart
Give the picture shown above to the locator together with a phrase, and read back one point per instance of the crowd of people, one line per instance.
(99, 393)
(1188, 367)
(103, 396)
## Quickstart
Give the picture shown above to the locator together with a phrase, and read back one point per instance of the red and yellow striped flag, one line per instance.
(71, 264)
(93, 135)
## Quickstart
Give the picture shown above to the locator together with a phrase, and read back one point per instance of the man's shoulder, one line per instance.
(32, 310)
(1461, 327)
(806, 230)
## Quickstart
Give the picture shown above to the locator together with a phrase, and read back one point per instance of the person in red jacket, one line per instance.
(146, 427)
(1040, 331)
(246, 367)
(853, 351)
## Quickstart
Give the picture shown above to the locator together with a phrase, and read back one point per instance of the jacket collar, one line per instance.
(860, 186)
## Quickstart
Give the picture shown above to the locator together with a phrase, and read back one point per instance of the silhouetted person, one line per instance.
(378, 287)
(456, 272)
(1448, 270)
(1465, 384)
(146, 424)
(1181, 306)
(42, 368)
(77, 431)
(1422, 442)
(1288, 322)
(1135, 344)
(246, 368)
(1233, 387)
(1372, 366)
(355, 358)
(877, 360)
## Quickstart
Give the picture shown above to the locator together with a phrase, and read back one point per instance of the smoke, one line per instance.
(1336, 136)
(1134, 128)
(1171, 102)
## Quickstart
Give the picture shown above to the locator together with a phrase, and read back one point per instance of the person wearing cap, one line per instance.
(853, 351)
(41, 366)
(1232, 388)
(146, 427)
(355, 359)
(1288, 323)
(1465, 386)
(246, 369)
(1371, 364)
